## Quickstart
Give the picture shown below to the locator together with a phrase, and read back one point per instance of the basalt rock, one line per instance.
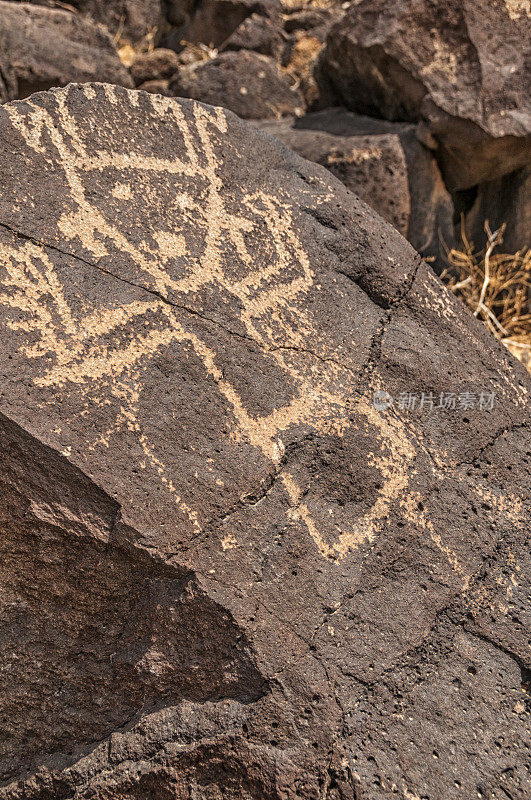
(216, 20)
(179, 12)
(250, 84)
(384, 164)
(460, 67)
(130, 20)
(257, 33)
(157, 86)
(158, 64)
(229, 570)
(45, 47)
(372, 166)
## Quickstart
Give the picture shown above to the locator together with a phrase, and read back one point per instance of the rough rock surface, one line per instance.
(179, 12)
(372, 166)
(505, 201)
(216, 20)
(45, 47)
(462, 67)
(249, 84)
(256, 33)
(226, 573)
(384, 164)
(157, 86)
(158, 64)
(132, 20)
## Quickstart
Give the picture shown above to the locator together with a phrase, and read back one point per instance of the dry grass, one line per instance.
(197, 51)
(301, 5)
(128, 52)
(495, 286)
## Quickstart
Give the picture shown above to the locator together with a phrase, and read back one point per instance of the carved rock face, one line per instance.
(226, 572)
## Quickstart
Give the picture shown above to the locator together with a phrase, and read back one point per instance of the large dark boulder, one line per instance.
(229, 570)
(215, 20)
(257, 33)
(155, 65)
(45, 47)
(384, 164)
(129, 20)
(461, 67)
(248, 83)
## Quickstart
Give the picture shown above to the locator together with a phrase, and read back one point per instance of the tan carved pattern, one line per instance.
(90, 348)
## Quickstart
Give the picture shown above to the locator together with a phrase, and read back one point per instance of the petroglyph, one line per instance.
(95, 350)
